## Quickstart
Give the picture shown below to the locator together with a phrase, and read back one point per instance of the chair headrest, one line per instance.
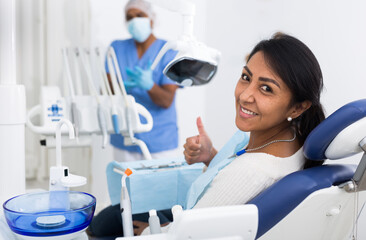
(338, 136)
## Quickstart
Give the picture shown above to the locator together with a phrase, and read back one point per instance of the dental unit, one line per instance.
(91, 111)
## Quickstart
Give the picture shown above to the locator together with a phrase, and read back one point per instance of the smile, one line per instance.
(248, 112)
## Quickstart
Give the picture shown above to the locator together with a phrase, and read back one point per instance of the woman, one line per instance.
(150, 88)
(278, 102)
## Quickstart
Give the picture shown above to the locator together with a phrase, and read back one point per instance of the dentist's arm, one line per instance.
(163, 96)
(199, 148)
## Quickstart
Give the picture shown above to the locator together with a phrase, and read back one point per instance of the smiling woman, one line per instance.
(277, 101)
(278, 94)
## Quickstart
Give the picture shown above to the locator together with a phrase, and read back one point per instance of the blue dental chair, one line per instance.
(323, 202)
(319, 203)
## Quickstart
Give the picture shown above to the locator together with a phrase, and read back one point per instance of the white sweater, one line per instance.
(248, 175)
(244, 178)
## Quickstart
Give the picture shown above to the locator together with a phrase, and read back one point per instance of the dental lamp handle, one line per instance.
(58, 138)
(167, 46)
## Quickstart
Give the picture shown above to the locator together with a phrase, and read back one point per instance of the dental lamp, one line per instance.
(195, 63)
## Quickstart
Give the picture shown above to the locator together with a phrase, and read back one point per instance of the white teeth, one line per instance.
(248, 112)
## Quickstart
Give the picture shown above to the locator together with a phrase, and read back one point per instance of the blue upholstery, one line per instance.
(319, 139)
(282, 197)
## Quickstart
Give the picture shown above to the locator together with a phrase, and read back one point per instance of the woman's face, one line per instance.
(262, 98)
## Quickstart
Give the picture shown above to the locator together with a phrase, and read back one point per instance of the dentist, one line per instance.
(150, 87)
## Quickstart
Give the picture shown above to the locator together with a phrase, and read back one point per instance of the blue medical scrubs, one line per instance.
(164, 134)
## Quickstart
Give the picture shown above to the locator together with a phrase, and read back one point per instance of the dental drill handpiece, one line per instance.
(126, 211)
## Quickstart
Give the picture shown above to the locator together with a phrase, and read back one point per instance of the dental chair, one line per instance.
(323, 202)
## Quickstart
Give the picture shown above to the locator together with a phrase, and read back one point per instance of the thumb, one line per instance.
(201, 129)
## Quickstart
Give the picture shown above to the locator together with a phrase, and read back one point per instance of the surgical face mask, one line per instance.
(139, 28)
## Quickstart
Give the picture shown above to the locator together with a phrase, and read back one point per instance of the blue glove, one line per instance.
(140, 78)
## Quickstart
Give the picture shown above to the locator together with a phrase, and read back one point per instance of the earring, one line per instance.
(289, 119)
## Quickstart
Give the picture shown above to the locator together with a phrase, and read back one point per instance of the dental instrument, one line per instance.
(78, 83)
(101, 73)
(154, 222)
(162, 166)
(100, 111)
(74, 115)
(116, 90)
(129, 138)
(119, 82)
(126, 211)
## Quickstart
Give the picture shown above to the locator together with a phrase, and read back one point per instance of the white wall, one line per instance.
(335, 30)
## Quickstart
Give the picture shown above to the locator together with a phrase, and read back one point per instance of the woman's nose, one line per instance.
(248, 94)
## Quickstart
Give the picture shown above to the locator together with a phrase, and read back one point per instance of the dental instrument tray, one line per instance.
(155, 184)
(53, 107)
(49, 213)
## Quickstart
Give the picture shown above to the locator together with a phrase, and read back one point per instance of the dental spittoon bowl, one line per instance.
(49, 214)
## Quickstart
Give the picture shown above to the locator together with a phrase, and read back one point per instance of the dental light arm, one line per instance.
(195, 63)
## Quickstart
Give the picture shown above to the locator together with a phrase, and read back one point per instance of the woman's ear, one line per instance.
(300, 108)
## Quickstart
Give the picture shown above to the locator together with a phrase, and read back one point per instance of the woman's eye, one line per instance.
(266, 88)
(245, 77)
